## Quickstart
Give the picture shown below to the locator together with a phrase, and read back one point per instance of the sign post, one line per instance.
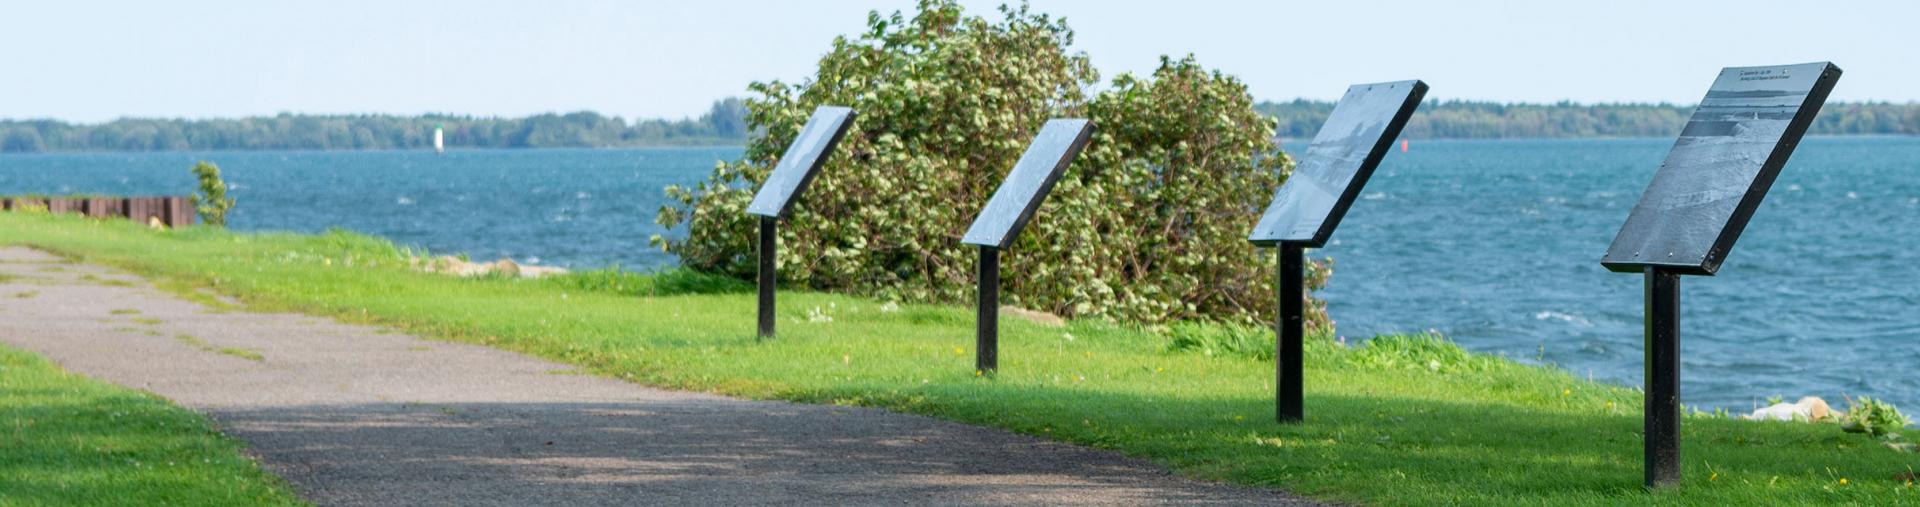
(775, 198)
(1007, 213)
(1307, 208)
(1695, 209)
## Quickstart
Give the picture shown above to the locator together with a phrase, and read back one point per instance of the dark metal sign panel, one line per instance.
(1016, 199)
(802, 161)
(1336, 166)
(1720, 168)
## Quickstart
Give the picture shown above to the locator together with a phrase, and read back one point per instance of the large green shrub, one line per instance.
(1148, 225)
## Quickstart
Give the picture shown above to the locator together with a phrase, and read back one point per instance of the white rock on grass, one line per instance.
(1810, 408)
(454, 266)
(1034, 316)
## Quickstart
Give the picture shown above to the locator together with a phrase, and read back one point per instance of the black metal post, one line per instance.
(987, 322)
(1662, 433)
(1288, 399)
(767, 245)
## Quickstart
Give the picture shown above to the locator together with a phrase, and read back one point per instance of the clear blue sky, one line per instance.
(98, 60)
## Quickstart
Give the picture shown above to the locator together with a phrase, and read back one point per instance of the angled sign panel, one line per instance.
(1721, 167)
(1336, 166)
(802, 161)
(1032, 177)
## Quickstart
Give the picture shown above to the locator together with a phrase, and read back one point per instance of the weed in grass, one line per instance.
(419, 348)
(147, 321)
(7, 278)
(671, 282)
(242, 353)
(124, 311)
(109, 282)
(198, 343)
(52, 269)
(25, 294)
(213, 303)
(194, 341)
(1206, 339)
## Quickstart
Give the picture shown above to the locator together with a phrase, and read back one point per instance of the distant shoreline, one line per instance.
(457, 150)
(424, 151)
(1455, 119)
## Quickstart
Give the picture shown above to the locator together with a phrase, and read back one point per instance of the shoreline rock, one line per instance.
(1808, 409)
(450, 265)
(1034, 316)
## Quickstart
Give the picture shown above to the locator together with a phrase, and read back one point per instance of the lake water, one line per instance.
(564, 207)
(1494, 243)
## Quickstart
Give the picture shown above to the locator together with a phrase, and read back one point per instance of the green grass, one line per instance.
(1401, 421)
(69, 440)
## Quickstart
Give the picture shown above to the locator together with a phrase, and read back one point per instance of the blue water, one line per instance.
(1494, 243)
(577, 208)
(1497, 244)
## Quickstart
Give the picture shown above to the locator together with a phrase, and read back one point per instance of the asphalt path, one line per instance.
(362, 415)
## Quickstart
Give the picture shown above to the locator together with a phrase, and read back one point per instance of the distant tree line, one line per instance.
(725, 123)
(1300, 119)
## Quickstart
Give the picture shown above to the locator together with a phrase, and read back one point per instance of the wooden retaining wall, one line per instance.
(171, 211)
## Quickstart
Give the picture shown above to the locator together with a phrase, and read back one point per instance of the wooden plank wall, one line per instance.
(171, 211)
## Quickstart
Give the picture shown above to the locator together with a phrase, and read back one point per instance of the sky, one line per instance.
(92, 61)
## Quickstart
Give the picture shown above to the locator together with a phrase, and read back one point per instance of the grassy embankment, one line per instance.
(69, 440)
(1401, 421)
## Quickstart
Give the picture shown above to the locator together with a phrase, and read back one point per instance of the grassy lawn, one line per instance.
(70, 440)
(1401, 421)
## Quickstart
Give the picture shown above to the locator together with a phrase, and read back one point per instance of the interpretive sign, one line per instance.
(802, 161)
(1695, 209)
(1007, 212)
(1020, 194)
(1721, 167)
(1337, 164)
(784, 185)
(1309, 205)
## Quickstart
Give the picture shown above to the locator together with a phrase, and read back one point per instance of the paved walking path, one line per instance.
(359, 415)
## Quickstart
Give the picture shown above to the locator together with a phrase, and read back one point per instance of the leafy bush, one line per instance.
(1873, 417)
(1147, 225)
(211, 201)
